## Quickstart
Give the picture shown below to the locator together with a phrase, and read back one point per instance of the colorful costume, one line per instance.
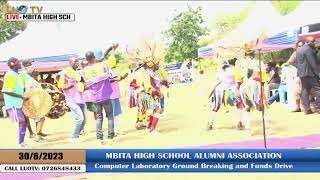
(248, 75)
(156, 104)
(250, 91)
(224, 93)
(148, 97)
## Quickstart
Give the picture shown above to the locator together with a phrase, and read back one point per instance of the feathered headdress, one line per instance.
(149, 53)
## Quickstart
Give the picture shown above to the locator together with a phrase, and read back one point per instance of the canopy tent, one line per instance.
(255, 26)
(280, 41)
(297, 25)
(311, 30)
(43, 43)
(305, 14)
(38, 40)
(44, 64)
(264, 21)
(52, 63)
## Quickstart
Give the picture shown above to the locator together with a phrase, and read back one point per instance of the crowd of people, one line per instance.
(90, 85)
(248, 85)
(93, 85)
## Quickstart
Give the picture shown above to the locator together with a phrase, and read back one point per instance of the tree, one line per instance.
(183, 35)
(285, 7)
(8, 30)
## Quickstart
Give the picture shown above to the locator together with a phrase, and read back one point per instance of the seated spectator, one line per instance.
(293, 87)
(274, 78)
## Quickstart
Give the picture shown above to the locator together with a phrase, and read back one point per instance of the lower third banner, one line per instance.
(193, 160)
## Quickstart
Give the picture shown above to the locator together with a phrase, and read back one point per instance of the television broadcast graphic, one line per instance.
(159, 90)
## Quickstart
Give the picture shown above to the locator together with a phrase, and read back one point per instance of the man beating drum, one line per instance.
(13, 91)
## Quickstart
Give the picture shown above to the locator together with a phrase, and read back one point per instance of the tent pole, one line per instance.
(262, 103)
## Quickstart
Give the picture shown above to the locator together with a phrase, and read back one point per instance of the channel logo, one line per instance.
(20, 13)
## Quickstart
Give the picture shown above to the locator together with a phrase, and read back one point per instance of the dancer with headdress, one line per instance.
(247, 75)
(149, 97)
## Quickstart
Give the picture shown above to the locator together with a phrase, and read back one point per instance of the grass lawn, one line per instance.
(183, 125)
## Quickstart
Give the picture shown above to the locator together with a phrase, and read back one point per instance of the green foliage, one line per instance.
(278, 56)
(119, 56)
(183, 35)
(227, 23)
(8, 30)
(286, 7)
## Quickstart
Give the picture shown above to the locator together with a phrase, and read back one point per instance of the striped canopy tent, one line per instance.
(280, 41)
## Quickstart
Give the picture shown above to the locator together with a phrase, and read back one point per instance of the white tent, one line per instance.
(38, 40)
(305, 14)
(263, 18)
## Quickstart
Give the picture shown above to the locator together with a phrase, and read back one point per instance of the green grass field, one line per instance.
(183, 125)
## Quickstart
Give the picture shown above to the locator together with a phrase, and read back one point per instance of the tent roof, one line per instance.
(38, 40)
(257, 23)
(305, 14)
(280, 41)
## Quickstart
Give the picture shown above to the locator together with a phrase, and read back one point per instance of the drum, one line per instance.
(59, 107)
(38, 105)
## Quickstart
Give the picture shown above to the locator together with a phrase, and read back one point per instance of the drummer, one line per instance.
(70, 83)
(13, 91)
(97, 77)
(29, 78)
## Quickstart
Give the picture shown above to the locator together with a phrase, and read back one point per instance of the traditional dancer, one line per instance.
(158, 79)
(151, 97)
(70, 81)
(97, 77)
(226, 93)
(248, 76)
(13, 90)
(29, 78)
(139, 98)
(115, 95)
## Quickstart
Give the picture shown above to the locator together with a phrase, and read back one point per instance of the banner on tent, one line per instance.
(205, 52)
(180, 73)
